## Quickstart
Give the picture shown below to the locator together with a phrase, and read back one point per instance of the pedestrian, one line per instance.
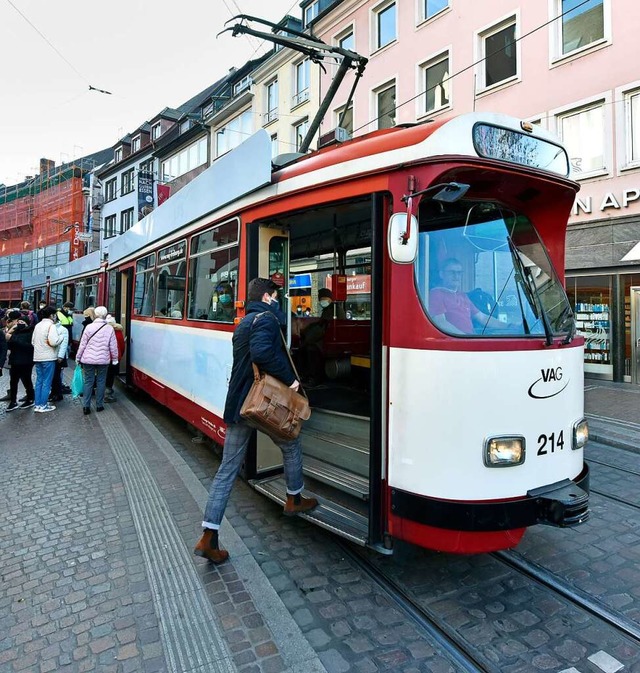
(19, 335)
(3, 349)
(45, 340)
(112, 372)
(257, 339)
(89, 316)
(61, 360)
(98, 348)
(65, 318)
(29, 316)
(41, 307)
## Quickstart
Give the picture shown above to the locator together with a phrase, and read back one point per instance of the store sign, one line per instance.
(359, 284)
(610, 200)
(172, 253)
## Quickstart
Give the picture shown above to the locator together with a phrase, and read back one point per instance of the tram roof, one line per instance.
(248, 167)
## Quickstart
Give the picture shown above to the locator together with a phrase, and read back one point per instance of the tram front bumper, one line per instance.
(562, 504)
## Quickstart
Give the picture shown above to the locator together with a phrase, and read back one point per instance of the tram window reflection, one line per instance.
(170, 290)
(212, 285)
(144, 285)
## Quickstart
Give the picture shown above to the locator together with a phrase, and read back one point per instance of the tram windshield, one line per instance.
(482, 270)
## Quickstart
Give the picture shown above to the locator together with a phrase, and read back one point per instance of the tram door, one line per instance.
(635, 335)
(123, 291)
(324, 259)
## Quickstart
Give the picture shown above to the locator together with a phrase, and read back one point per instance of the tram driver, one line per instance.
(451, 309)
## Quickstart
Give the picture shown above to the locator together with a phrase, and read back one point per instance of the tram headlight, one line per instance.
(580, 434)
(504, 451)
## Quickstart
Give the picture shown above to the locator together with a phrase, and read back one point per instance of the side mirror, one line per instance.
(402, 249)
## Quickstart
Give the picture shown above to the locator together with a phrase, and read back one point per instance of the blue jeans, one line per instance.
(235, 446)
(44, 376)
(99, 374)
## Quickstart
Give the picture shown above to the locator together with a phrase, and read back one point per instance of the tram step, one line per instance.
(327, 514)
(343, 480)
(338, 439)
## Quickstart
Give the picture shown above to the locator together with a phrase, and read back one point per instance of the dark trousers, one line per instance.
(56, 383)
(21, 373)
(112, 372)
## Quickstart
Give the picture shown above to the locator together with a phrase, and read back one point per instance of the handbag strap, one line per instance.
(286, 350)
(91, 337)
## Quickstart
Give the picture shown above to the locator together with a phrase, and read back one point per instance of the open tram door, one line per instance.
(120, 303)
(325, 252)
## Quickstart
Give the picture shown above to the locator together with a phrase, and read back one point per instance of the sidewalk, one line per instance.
(613, 412)
(101, 515)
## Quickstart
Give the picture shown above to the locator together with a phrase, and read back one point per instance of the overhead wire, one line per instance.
(60, 54)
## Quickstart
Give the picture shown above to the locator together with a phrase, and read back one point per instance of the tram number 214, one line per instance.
(549, 443)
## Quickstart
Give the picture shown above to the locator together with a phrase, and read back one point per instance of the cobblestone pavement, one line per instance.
(100, 514)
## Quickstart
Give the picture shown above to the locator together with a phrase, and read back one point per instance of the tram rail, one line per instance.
(451, 644)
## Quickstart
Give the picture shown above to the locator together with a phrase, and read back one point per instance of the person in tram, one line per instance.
(329, 309)
(451, 309)
(257, 339)
(224, 310)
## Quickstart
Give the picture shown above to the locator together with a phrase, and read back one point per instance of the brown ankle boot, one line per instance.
(207, 547)
(291, 507)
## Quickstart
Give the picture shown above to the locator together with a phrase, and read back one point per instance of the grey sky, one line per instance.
(149, 53)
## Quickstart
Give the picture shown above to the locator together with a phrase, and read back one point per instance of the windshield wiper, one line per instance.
(528, 279)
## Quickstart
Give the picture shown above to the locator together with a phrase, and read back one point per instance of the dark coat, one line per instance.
(3, 350)
(256, 339)
(20, 348)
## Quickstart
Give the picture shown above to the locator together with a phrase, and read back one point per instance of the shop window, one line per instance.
(213, 274)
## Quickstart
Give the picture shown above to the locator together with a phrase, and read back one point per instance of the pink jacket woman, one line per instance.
(98, 345)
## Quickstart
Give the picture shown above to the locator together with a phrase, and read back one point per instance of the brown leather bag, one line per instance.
(274, 408)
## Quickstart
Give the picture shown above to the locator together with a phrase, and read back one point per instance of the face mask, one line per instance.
(42, 306)
(324, 303)
(224, 299)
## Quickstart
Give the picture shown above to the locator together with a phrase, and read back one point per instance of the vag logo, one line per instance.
(548, 385)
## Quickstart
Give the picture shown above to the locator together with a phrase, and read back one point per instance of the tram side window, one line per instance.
(55, 295)
(170, 290)
(85, 293)
(143, 293)
(213, 274)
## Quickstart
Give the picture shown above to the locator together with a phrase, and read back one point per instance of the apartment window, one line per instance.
(117, 155)
(385, 25)
(581, 24)
(299, 132)
(274, 145)
(272, 102)
(498, 51)
(433, 7)
(146, 166)
(126, 182)
(242, 85)
(347, 40)
(110, 226)
(311, 12)
(302, 77)
(135, 144)
(213, 274)
(583, 134)
(386, 106)
(110, 189)
(184, 161)
(126, 220)
(436, 83)
(156, 131)
(632, 127)
(234, 132)
(347, 121)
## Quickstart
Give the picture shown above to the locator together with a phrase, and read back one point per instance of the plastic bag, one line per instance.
(77, 382)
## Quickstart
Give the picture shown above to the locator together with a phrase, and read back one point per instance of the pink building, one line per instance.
(564, 64)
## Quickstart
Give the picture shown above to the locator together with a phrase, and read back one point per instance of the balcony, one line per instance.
(269, 116)
(300, 97)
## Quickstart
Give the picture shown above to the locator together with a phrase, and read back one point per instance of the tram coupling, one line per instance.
(563, 504)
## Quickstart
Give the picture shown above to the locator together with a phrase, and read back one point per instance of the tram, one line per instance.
(447, 401)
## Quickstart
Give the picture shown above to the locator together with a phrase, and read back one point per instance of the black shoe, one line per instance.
(6, 398)
(55, 398)
(11, 406)
(27, 404)
(24, 399)
(66, 390)
(99, 408)
(86, 410)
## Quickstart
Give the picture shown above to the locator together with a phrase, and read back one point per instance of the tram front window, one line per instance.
(482, 270)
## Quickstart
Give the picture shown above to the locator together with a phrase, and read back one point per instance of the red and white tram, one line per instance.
(447, 383)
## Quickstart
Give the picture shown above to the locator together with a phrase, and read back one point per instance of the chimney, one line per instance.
(46, 166)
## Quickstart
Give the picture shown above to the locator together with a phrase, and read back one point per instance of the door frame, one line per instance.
(635, 333)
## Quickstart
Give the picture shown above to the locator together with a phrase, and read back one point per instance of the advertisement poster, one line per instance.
(145, 193)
